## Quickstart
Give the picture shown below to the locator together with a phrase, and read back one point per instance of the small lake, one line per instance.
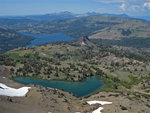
(47, 38)
(80, 89)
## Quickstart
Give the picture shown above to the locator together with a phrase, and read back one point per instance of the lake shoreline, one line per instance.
(40, 39)
(69, 83)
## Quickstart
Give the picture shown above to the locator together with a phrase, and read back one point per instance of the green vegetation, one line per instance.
(128, 42)
(10, 39)
(74, 62)
(123, 107)
(115, 84)
(126, 32)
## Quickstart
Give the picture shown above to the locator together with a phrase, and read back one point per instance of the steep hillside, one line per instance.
(10, 39)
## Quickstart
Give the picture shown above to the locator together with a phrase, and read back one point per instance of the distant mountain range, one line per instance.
(143, 17)
(51, 16)
(61, 16)
(69, 15)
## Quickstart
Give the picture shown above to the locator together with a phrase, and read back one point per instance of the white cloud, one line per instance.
(132, 7)
(123, 6)
(147, 5)
(131, 2)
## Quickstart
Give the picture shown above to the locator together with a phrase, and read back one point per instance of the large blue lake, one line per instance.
(80, 89)
(47, 38)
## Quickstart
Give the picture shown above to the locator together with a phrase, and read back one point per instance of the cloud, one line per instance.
(131, 2)
(123, 6)
(132, 7)
(147, 5)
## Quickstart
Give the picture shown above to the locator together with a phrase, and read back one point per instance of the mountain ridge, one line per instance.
(62, 15)
(67, 15)
(97, 26)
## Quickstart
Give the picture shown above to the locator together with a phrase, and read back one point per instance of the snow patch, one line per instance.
(98, 110)
(83, 43)
(12, 92)
(98, 102)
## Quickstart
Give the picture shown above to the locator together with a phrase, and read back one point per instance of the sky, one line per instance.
(29, 7)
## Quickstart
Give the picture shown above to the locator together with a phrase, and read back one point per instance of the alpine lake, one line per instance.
(80, 89)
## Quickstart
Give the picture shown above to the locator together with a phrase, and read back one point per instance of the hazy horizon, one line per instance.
(34, 7)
